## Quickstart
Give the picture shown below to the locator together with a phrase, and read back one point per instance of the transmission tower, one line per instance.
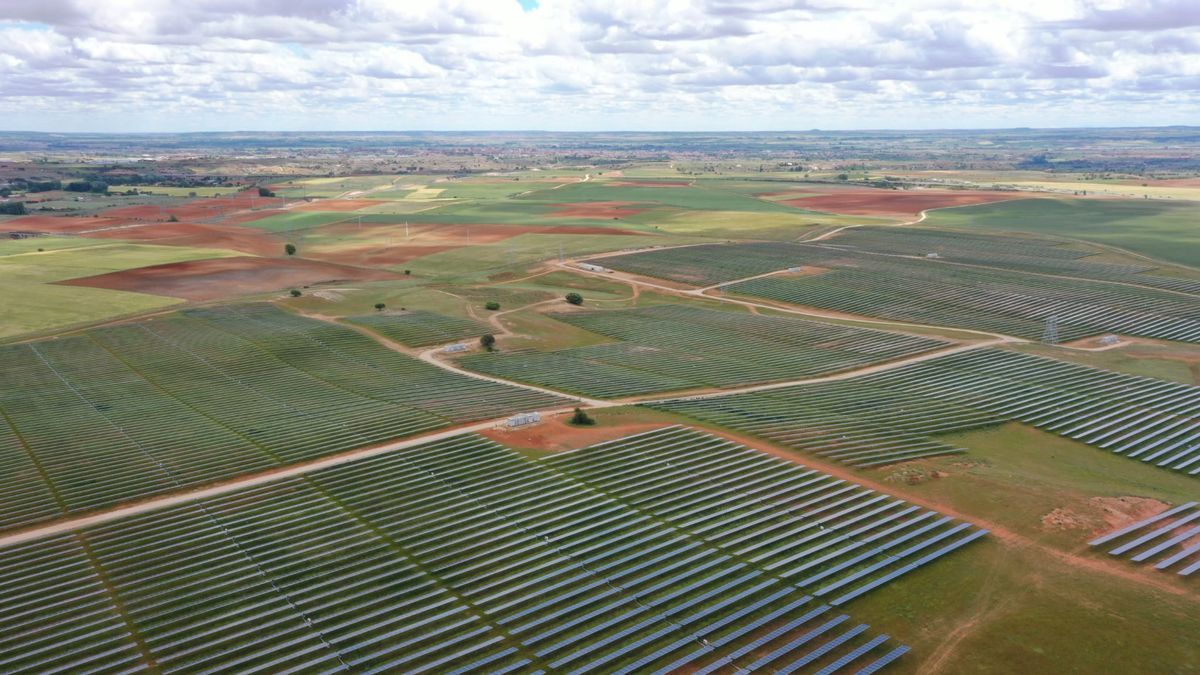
(1050, 335)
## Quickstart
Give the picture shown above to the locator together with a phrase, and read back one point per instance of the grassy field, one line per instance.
(476, 263)
(179, 191)
(1162, 230)
(33, 304)
(1034, 594)
(298, 220)
(1125, 189)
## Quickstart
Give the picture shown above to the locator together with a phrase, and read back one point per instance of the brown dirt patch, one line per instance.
(201, 235)
(869, 202)
(340, 205)
(555, 435)
(606, 210)
(219, 278)
(1118, 512)
(57, 224)
(1099, 515)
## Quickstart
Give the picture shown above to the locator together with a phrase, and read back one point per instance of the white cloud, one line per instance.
(708, 64)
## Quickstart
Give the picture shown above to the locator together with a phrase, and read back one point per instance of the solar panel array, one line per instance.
(1019, 253)
(1143, 418)
(927, 291)
(419, 328)
(464, 556)
(892, 415)
(137, 409)
(1169, 540)
(674, 347)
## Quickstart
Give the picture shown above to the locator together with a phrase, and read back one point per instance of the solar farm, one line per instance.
(896, 415)
(209, 394)
(462, 555)
(420, 328)
(637, 417)
(674, 347)
(927, 291)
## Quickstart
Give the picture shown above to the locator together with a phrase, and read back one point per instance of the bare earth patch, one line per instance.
(606, 210)
(1103, 514)
(201, 235)
(219, 278)
(556, 435)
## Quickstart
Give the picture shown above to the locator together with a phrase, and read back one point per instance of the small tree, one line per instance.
(295, 293)
(488, 341)
(265, 192)
(289, 249)
(379, 306)
(581, 418)
(407, 272)
(172, 219)
(575, 298)
(492, 305)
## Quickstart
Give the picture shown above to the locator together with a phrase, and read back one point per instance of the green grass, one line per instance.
(692, 198)
(1163, 230)
(472, 264)
(1017, 601)
(298, 220)
(33, 304)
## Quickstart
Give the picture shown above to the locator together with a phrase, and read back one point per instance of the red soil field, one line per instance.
(57, 224)
(338, 204)
(200, 235)
(219, 278)
(873, 202)
(606, 210)
(555, 435)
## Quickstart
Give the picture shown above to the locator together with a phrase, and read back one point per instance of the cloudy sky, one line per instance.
(164, 65)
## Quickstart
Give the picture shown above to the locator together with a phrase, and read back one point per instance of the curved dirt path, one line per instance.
(809, 312)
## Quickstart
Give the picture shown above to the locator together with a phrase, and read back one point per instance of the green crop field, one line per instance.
(34, 304)
(1164, 230)
(671, 347)
(209, 394)
(298, 220)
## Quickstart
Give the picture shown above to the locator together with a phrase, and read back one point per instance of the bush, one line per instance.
(492, 305)
(289, 249)
(488, 341)
(379, 306)
(581, 418)
(264, 192)
(575, 298)
(295, 293)
(172, 219)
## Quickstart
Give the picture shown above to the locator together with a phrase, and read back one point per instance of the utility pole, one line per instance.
(1050, 335)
